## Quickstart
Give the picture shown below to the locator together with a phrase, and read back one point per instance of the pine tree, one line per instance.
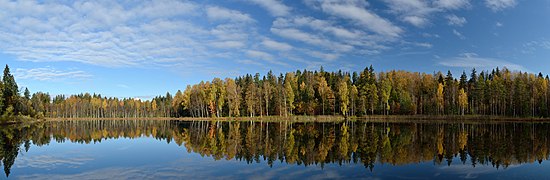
(1, 97)
(10, 91)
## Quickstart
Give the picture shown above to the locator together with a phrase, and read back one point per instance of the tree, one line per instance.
(233, 99)
(323, 89)
(343, 93)
(27, 94)
(10, 90)
(154, 107)
(462, 100)
(268, 88)
(440, 98)
(372, 96)
(385, 90)
(289, 92)
(353, 94)
(219, 95)
(250, 98)
(1, 98)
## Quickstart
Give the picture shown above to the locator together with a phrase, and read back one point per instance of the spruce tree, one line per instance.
(10, 90)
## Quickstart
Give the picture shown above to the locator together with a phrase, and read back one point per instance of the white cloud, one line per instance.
(419, 12)
(162, 33)
(356, 11)
(100, 33)
(264, 56)
(330, 37)
(415, 12)
(249, 62)
(472, 60)
(259, 55)
(279, 46)
(499, 24)
(323, 56)
(49, 162)
(295, 34)
(123, 86)
(50, 74)
(227, 44)
(275, 7)
(499, 5)
(458, 34)
(416, 20)
(425, 45)
(456, 21)
(220, 14)
(533, 46)
(452, 4)
(319, 25)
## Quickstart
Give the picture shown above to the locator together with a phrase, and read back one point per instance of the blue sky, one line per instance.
(146, 48)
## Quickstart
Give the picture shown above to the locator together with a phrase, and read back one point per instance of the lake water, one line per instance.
(154, 149)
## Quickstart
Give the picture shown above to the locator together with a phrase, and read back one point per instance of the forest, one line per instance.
(500, 92)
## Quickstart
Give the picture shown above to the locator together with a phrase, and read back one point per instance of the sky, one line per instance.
(141, 48)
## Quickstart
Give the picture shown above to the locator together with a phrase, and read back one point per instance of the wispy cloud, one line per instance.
(123, 86)
(533, 46)
(454, 20)
(415, 12)
(50, 74)
(452, 4)
(458, 34)
(499, 5)
(50, 162)
(275, 7)
(264, 56)
(356, 11)
(114, 34)
(280, 46)
(218, 13)
(249, 62)
(472, 60)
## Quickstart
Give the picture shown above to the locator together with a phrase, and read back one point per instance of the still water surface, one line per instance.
(154, 149)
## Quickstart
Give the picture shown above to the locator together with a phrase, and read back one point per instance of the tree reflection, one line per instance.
(491, 144)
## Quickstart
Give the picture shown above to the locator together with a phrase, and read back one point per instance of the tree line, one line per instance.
(497, 93)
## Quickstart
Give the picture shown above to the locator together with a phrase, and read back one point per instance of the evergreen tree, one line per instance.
(10, 91)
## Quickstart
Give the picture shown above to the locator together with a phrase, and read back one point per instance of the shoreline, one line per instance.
(330, 118)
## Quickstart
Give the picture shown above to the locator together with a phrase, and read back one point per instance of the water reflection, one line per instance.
(369, 143)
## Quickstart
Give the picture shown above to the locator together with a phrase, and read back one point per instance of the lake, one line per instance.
(162, 149)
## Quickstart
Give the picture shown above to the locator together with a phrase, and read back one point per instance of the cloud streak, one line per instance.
(355, 10)
(275, 7)
(472, 60)
(50, 74)
(499, 5)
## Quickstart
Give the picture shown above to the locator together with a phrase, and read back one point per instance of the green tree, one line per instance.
(10, 90)
(1, 98)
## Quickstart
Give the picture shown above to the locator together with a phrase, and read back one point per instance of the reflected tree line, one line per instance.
(368, 143)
